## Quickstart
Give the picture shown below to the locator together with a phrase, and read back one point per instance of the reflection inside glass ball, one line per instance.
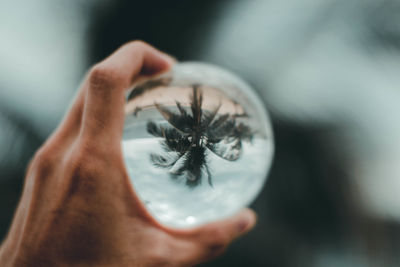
(197, 144)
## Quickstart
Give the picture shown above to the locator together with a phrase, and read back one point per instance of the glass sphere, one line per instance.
(197, 144)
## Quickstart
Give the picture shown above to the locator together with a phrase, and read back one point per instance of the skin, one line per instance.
(78, 207)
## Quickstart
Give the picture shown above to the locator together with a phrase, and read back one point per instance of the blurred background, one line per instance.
(328, 71)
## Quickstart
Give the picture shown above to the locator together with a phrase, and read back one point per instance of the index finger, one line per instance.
(103, 115)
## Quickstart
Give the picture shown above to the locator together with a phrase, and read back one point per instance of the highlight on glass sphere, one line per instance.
(197, 144)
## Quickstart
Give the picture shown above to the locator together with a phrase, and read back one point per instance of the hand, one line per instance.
(78, 207)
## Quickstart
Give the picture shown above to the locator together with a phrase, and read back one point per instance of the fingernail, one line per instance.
(246, 222)
(243, 224)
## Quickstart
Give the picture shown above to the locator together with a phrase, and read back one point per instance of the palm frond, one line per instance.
(181, 109)
(243, 132)
(179, 166)
(163, 161)
(220, 120)
(228, 148)
(220, 130)
(154, 129)
(175, 141)
(181, 123)
(208, 117)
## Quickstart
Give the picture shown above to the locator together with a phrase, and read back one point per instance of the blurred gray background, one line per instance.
(328, 71)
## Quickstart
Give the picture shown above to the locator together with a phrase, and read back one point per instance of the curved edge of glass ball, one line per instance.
(231, 85)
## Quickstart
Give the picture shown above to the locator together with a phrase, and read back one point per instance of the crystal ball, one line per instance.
(197, 144)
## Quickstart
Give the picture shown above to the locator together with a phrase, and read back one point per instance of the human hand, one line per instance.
(78, 207)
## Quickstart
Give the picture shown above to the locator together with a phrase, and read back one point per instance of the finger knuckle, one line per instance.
(104, 77)
(43, 162)
(42, 156)
(43, 165)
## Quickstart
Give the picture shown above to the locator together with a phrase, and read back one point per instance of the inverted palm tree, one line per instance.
(189, 136)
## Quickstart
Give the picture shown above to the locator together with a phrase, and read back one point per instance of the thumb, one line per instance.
(212, 239)
(223, 232)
